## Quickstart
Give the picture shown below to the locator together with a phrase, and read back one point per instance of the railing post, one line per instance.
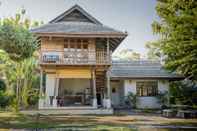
(108, 51)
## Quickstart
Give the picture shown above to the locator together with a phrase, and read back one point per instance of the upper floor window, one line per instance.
(147, 88)
(78, 44)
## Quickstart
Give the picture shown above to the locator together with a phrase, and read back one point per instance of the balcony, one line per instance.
(75, 57)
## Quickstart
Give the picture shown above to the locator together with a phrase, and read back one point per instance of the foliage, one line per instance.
(182, 93)
(131, 100)
(177, 31)
(18, 42)
(127, 54)
(153, 52)
(20, 20)
(22, 75)
(2, 85)
(4, 97)
(15, 37)
(163, 98)
(18, 66)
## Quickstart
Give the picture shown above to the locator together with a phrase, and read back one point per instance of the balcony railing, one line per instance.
(75, 57)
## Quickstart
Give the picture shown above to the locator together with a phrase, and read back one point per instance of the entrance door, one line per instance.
(115, 93)
(98, 95)
(115, 97)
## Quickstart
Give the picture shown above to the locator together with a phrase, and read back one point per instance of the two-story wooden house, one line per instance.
(75, 58)
(77, 72)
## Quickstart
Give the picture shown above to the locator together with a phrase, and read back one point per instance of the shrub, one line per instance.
(131, 100)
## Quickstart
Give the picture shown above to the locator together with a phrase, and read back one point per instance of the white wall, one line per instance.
(146, 101)
(129, 86)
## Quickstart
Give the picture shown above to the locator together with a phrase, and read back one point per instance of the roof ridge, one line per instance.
(80, 9)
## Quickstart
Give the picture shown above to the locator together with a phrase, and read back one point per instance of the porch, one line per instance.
(69, 89)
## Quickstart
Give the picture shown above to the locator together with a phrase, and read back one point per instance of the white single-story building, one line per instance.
(146, 79)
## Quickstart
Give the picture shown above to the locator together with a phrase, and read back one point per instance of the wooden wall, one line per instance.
(70, 72)
(53, 44)
(57, 44)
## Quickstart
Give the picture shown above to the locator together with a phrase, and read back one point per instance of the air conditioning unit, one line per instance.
(51, 58)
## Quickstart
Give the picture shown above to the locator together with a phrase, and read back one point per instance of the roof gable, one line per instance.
(75, 13)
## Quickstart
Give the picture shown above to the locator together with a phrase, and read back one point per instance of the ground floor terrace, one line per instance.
(75, 88)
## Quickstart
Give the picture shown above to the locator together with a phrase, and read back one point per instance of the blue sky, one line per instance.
(133, 16)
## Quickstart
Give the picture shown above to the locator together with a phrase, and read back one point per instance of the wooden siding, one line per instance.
(70, 72)
(74, 73)
(57, 44)
(52, 45)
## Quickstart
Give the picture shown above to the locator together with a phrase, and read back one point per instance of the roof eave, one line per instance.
(150, 77)
(85, 35)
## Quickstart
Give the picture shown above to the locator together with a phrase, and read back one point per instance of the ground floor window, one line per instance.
(147, 88)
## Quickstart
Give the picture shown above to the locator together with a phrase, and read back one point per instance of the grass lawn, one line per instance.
(87, 122)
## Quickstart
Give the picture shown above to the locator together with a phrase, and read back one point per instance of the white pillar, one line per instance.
(94, 102)
(108, 99)
(56, 92)
(41, 100)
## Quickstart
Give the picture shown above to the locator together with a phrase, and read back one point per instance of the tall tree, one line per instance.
(18, 44)
(177, 31)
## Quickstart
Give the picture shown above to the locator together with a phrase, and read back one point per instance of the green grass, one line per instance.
(20, 121)
(87, 122)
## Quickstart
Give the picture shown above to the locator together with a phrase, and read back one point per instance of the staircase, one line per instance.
(100, 80)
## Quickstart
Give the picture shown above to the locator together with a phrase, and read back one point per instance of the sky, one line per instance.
(133, 16)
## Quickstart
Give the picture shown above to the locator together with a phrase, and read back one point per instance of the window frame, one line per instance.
(149, 93)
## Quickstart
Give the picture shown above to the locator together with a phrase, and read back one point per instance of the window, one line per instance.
(147, 88)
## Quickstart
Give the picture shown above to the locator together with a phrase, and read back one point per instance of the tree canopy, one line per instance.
(15, 37)
(177, 31)
(127, 54)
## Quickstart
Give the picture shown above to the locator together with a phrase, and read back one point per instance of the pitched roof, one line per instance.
(141, 69)
(73, 12)
(85, 28)
(76, 21)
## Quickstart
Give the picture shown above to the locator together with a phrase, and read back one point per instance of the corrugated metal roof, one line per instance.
(141, 69)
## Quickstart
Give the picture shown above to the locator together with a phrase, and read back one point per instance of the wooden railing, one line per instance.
(75, 57)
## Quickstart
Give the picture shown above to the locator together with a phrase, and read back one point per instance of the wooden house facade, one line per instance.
(75, 59)
(77, 71)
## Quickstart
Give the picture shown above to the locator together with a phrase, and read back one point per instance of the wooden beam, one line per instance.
(82, 35)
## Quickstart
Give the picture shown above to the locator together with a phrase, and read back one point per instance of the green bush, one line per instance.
(4, 98)
(131, 100)
(183, 93)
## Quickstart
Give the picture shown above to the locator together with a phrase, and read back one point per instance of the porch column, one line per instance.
(56, 92)
(108, 97)
(94, 89)
(41, 100)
